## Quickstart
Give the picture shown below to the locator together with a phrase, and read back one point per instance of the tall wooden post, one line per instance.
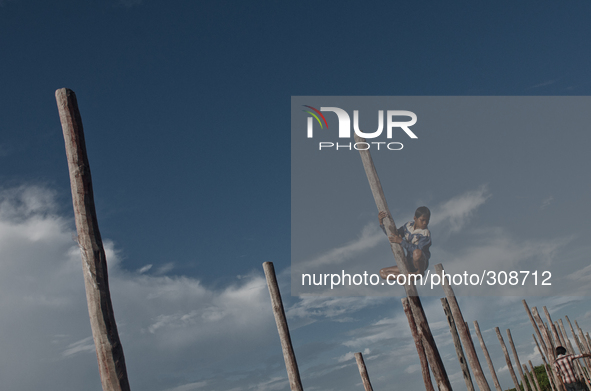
(109, 351)
(418, 344)
(535, 326)
(363, 372)
(464, 332)
(457, 344)
(530, 380)
(411, 291)
(295, 383)
(551, 352)
(549, 372)
(533, 373)
(507, 359)
(491, 367)
(517, 360)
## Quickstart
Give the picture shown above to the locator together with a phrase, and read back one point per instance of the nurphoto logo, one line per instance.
(393, 121)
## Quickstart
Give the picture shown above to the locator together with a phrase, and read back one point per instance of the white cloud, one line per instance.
(189, 386)
(456, 212)
(546, 202)
(170, 327)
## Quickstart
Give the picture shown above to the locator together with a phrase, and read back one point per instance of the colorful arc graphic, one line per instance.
(315, 116)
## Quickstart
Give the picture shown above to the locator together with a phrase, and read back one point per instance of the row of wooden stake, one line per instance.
(549, 336)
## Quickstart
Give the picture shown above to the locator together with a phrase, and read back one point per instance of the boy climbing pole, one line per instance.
(415, 238)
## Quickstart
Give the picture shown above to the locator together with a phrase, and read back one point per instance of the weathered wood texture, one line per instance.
(418, 344)
(295, 383)
(507, 358)
(533, 372)
(424, 331)
(535, 326)
(530, 380)
(517, 360)
(464, 332)
(550, 348)
(111, 360)
(457, 344)
(491, 367)
(363, 372)
(546, 366)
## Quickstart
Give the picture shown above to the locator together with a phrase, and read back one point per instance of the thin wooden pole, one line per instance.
(424, 331)
(529, 378)
(418, 344)
(566, 338)
(507, 359)
(363, 372)
(547, 368)
(535, 326)
(517, 359)
(552, 328)
(551, 352)
(533, 373)
(295, 383)
(457, 344)
(491, 367)
(109, 350)
(463, 332)
(560, 336)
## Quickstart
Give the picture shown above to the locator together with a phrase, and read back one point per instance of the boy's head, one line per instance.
(422, 217)
(560, 350)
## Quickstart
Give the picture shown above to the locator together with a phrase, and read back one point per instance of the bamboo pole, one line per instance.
(463, 332)
(424, 331)
(517, 360)
(491, 367)
(533, 373)
(418, 345)
(363, 372)
(109, 350)
(507, 359)
(295, 383)
(457, 344)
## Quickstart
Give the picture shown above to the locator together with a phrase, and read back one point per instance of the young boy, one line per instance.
(415, 238)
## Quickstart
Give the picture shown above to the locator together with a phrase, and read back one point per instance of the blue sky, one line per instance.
(186, 108)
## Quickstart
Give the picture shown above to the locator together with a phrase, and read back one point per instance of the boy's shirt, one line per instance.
(415, 239)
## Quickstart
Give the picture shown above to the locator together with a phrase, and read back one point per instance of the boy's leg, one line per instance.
(389, 270)
(419, 261)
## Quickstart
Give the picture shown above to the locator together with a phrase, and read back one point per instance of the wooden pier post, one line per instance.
(529, 378)
(423, 328)
(549, 373)
(363, 372)
(517, 359)
(464, 332)
(535, 326)
(491, 367)
(418, 344)
(457, 344)
(295, 383)
(109, 351)
(507, 359)
(533, 373)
